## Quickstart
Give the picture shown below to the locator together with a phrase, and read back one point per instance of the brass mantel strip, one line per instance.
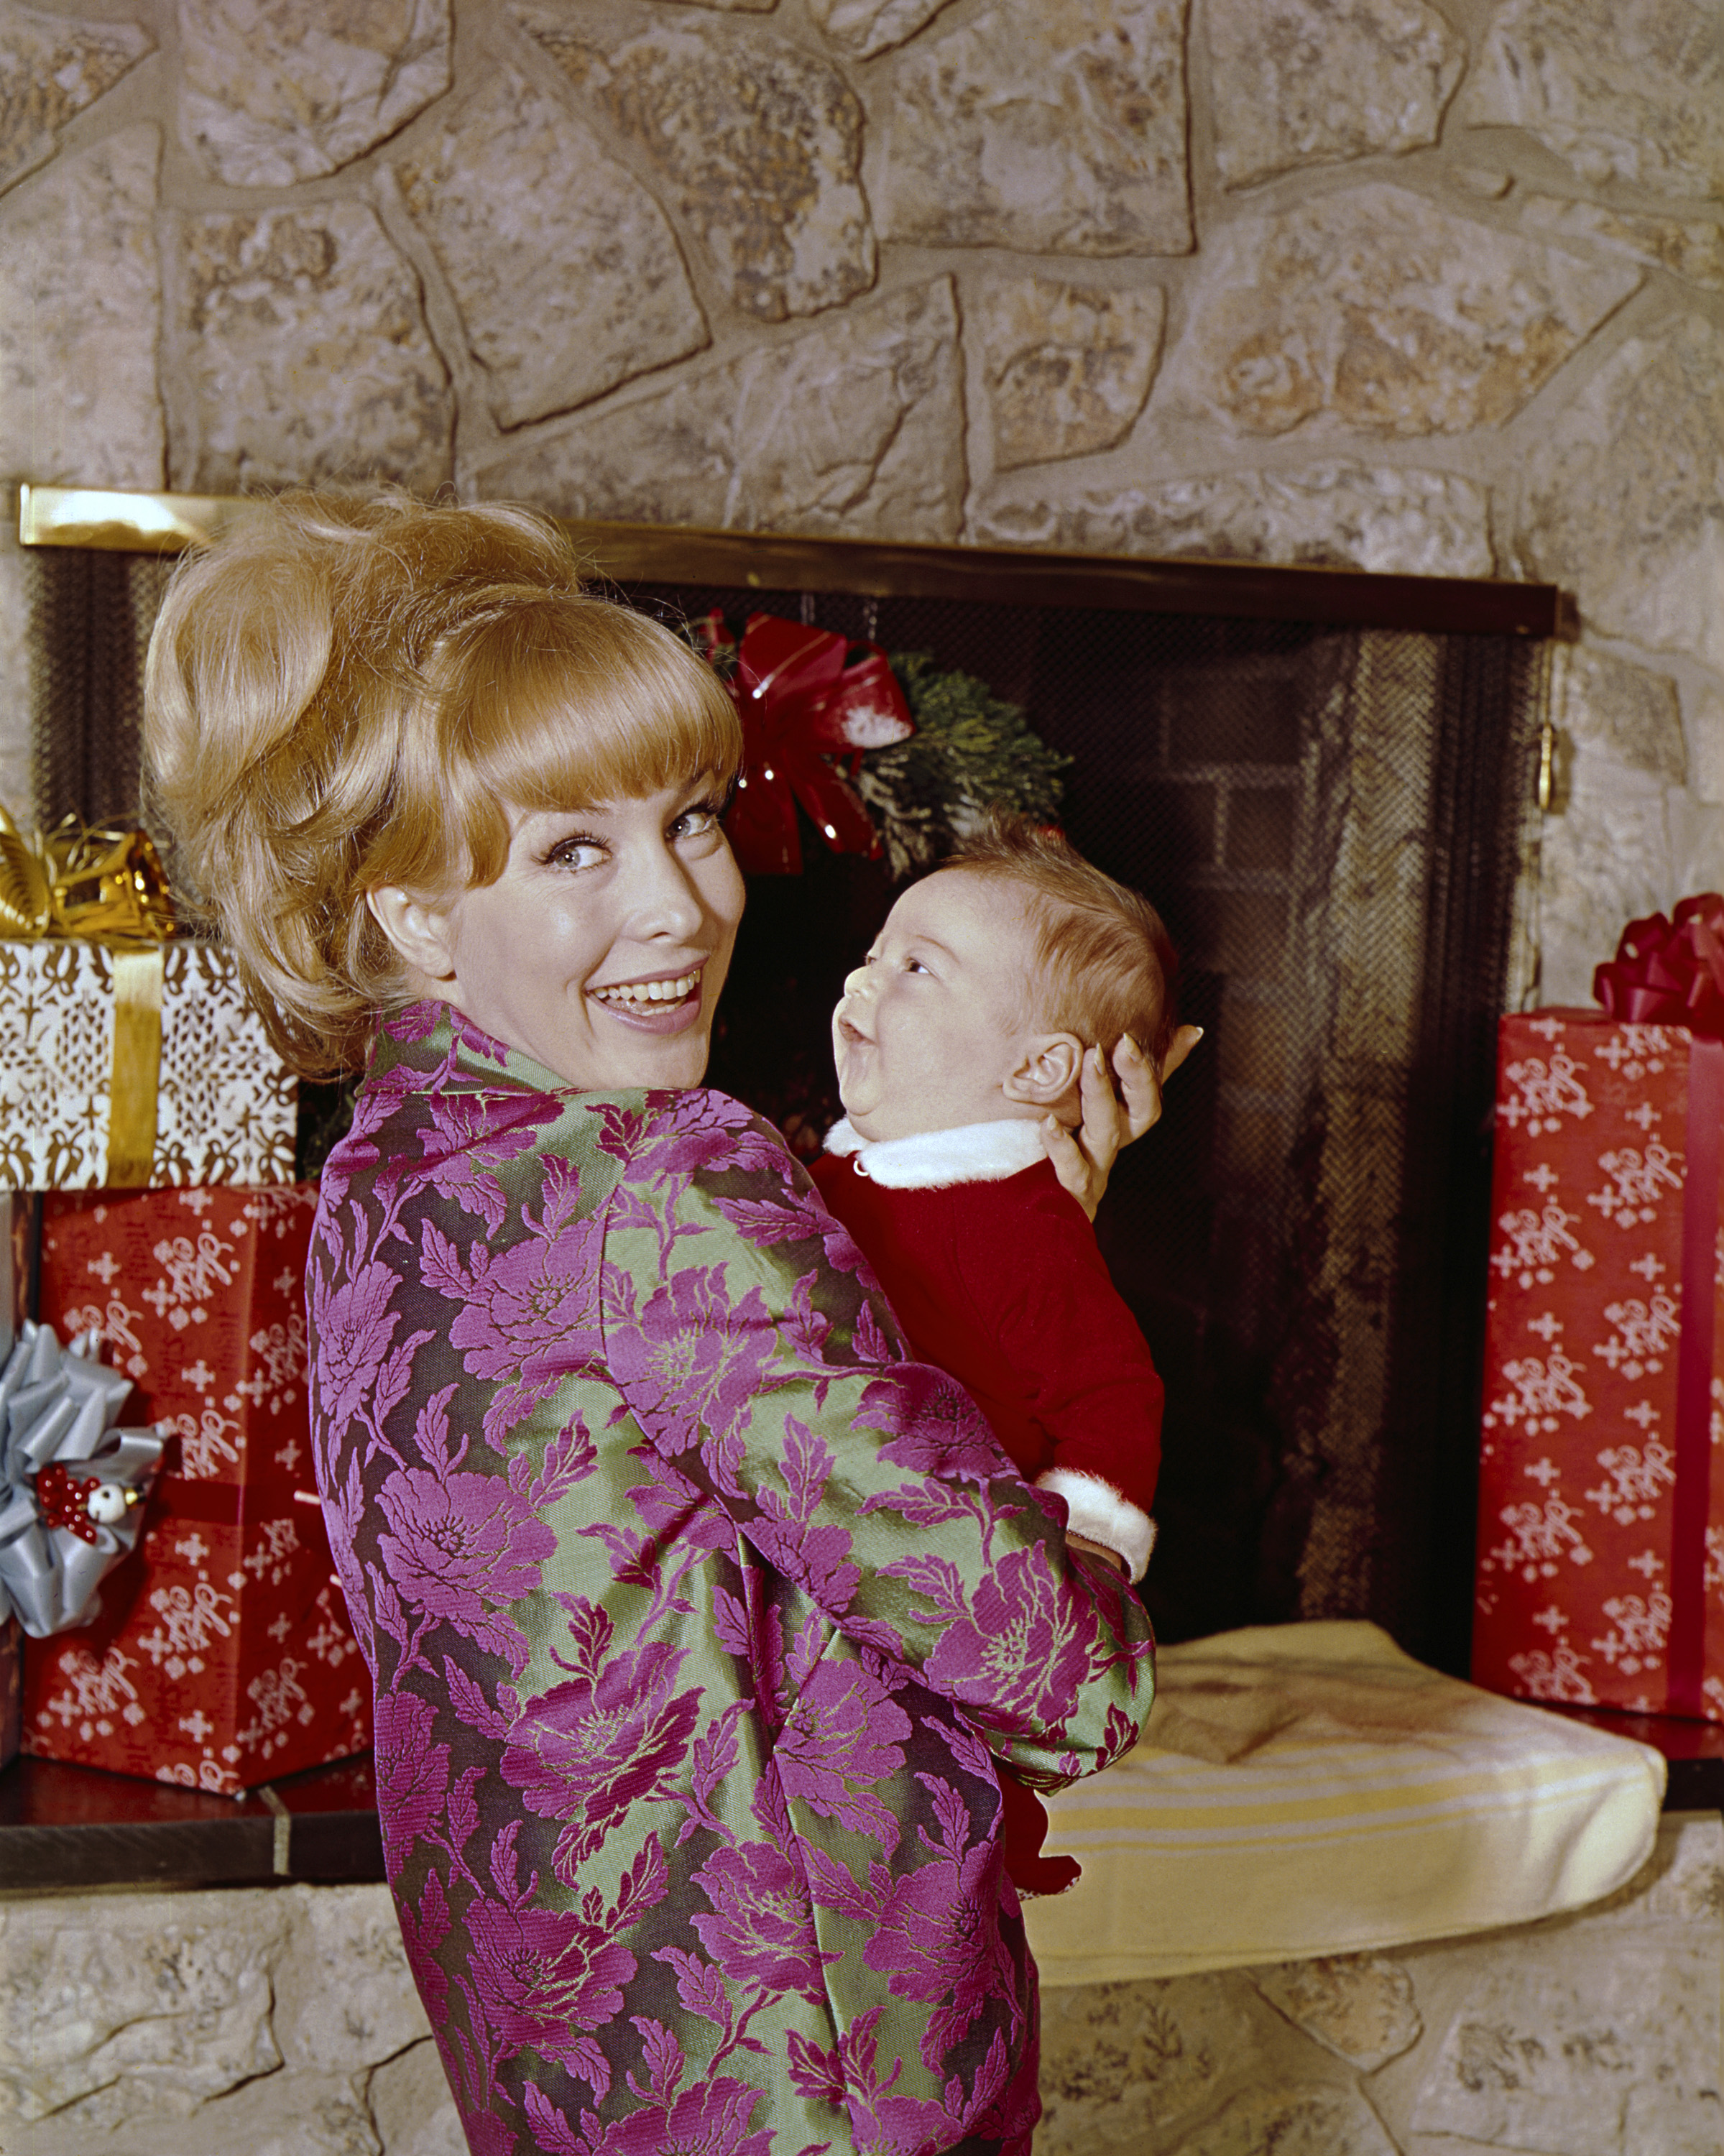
(645, 553)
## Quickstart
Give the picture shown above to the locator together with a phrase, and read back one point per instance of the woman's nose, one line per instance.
(856, 983)
(669, 903)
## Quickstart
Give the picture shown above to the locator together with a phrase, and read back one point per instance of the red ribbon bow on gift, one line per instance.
(1670, 973)
(805, 694)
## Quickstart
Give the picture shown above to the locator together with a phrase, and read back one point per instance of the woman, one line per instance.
(699, 1617)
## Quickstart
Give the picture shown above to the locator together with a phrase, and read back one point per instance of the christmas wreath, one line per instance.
(893, 755)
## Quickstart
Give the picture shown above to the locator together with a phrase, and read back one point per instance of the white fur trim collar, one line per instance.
(934, 1160)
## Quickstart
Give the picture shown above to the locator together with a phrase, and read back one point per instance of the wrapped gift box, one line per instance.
(1600, 1574)
(74, 1014)
(221, 1656)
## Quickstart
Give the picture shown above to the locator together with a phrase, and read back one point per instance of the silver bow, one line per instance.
(60, 1406)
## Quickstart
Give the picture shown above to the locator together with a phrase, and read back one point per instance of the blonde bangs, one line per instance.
(567, 701)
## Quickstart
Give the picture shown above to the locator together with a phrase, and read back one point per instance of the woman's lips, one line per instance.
(644, 1015)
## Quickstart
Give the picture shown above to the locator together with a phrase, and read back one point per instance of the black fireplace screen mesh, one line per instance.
(1331, 822)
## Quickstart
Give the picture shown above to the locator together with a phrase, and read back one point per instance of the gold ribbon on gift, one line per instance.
(102, 885)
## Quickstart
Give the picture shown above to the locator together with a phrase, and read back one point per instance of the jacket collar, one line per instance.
(935, 1160)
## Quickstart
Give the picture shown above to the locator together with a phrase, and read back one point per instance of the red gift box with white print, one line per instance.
(1600, 1575)
(222, 1656)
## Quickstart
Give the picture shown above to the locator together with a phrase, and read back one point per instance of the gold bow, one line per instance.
(102, 886)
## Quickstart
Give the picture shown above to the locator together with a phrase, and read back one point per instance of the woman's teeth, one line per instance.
(633, 993)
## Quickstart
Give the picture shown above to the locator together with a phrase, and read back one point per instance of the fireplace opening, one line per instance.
(1332, 819)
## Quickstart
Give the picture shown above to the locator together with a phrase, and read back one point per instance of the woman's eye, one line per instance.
(576, 854)
(697, 823)
(914, 966)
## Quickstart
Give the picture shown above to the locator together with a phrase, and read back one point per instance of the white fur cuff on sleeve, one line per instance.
(1098, 1512)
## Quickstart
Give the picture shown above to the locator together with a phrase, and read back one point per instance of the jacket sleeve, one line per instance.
(754, 1350)
(1086, 1372)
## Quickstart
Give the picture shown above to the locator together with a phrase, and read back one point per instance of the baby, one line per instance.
(963, 1030)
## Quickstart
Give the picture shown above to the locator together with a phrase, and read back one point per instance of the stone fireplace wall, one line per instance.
(1409, 285)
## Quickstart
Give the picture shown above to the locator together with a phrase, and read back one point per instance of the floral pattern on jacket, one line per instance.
(699, 1619)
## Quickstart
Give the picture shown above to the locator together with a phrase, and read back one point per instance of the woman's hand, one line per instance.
(1083, 1159)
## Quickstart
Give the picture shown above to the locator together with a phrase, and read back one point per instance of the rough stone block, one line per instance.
(760, 140)
(566, 271)
(1623, 712)
(1054, 126)
(1359, 2006)
(1303, 82)
(863, 27)
(410, 2103)
(1068, 366)
(1123, 2063)
(855, 426)
(1624, 90)
(306, 354)
(344, 1997)
(1293, 2119)
(1689, 247)
(273, 92)
(1374, 309)
(1397, 520)
(1622, 502)
(52, 67)
(80, 315)
(1584, 2048)
(1703, 728)
(1615, 853)
(136, 2007)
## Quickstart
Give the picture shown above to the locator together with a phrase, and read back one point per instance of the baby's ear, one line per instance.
(1048, 1068)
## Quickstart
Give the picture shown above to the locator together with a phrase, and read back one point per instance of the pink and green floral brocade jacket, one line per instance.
(700, 1619)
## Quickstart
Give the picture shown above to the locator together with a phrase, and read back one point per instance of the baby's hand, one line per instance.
(1083, 1159)
(1098, 1549)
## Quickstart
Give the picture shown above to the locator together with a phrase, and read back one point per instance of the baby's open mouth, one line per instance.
(646, 995)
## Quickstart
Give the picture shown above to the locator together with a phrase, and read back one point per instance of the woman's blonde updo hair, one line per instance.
(343, 694)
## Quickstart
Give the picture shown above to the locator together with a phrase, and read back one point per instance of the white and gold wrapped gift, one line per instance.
(129, 1057)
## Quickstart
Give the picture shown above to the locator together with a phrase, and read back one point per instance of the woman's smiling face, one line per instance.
(601, 949)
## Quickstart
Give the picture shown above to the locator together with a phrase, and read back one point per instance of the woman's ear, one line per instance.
(423, 933)
(1048, 1068)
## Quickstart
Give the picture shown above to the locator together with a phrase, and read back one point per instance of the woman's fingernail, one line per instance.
(1131, 1049)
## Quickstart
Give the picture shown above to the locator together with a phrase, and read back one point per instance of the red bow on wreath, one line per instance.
(804, 699)
(1670, 973)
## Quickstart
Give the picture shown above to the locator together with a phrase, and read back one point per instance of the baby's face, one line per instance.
(929, 1028)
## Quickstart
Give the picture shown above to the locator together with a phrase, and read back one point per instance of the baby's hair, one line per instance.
(342, 694)
(1106, 965)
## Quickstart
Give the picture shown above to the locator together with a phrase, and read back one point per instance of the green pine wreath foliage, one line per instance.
(972, 751)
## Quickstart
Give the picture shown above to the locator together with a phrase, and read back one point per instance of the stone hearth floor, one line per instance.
(283, 2022)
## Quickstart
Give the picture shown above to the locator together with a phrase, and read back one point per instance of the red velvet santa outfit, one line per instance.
(995, 1276)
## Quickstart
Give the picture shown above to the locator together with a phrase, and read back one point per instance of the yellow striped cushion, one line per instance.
(1310, 1789)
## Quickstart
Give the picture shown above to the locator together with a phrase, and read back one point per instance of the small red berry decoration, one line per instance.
(63, 1501)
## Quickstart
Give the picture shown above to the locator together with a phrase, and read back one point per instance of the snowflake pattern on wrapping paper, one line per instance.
(1544, 1093)
(1638, 1051)
(1541, 1535)
(699, 1618)
(1639, 1626)
(1637, 1478)
(1544, 1391)
(1642, 1334)
(1554, 1674)
(1639, 1183)
(1536, 1243)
